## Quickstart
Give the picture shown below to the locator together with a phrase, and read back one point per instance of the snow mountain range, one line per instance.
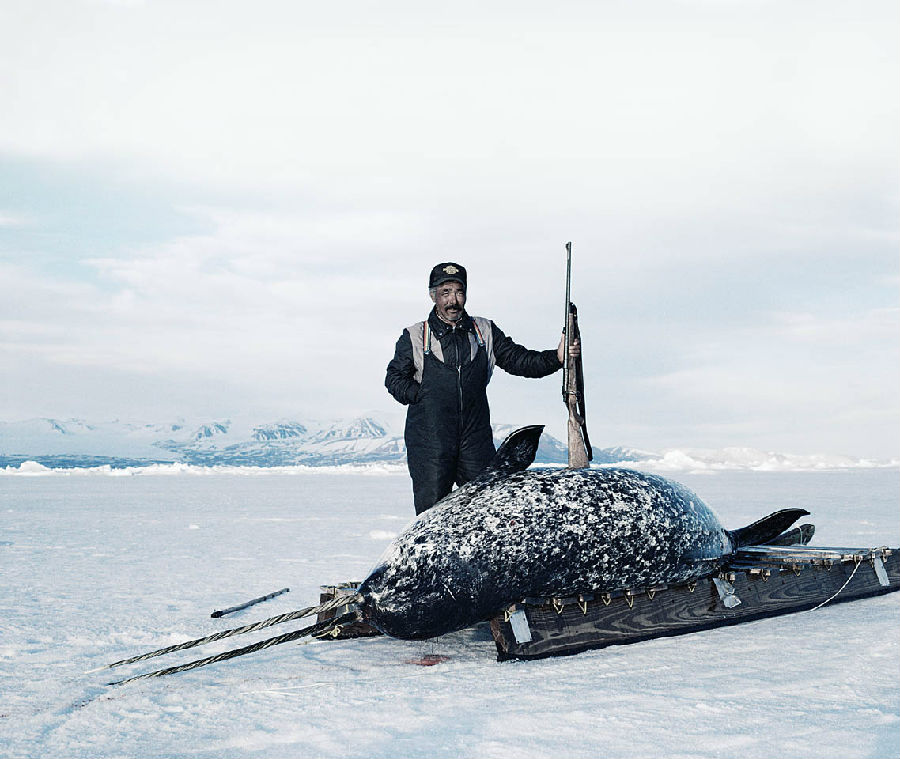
(360, 441)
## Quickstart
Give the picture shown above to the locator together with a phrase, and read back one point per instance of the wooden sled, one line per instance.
(758, 582)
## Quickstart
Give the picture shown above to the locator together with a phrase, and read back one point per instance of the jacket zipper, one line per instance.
(458, 379)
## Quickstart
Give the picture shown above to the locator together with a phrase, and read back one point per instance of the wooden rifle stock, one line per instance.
(580, 452)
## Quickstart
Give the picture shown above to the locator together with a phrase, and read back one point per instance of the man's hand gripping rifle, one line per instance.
(580, 452)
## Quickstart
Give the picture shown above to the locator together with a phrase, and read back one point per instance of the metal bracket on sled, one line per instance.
(520, 628)
(880, 573)
(726, 592)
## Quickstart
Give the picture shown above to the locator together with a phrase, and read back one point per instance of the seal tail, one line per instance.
(765, 529)
(796, 536)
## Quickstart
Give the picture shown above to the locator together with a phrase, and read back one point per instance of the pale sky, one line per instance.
(227, 209)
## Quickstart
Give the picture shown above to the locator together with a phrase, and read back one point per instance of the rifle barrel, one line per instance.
(565, 384)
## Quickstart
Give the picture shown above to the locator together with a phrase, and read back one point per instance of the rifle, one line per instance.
(580, 452)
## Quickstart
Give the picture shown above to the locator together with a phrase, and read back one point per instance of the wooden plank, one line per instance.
(782, 554)
(764, 591)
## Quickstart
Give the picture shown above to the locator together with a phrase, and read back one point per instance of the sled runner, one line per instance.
(760, 581)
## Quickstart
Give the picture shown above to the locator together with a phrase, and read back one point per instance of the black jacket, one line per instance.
(448, 423)
(510, 356)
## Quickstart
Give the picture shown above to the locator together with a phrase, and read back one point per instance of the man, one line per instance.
(441, 368)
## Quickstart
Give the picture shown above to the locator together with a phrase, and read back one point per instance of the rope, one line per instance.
(268, 643)
(335, 603)
(838, 592)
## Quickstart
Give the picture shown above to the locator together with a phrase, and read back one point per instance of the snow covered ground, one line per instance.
(96, 568)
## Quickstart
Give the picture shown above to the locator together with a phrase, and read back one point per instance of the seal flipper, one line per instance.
(763, 530)
(516, 453)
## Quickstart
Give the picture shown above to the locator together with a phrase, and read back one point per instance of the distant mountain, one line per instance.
(363, 440)
(363, 428)
(206, 431)
(221, 442)
(356, 441)
(279, 431)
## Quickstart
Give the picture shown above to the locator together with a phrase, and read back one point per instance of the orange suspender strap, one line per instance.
(478, 334)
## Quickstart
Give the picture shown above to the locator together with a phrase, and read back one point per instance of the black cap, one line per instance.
(445, 273)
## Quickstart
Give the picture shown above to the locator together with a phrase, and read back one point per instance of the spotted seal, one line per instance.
(515, 532)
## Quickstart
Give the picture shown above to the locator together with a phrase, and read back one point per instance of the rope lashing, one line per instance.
(858, 561)
(276, 620)
(263, 644)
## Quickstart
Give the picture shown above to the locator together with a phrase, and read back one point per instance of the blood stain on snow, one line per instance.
(429, 660)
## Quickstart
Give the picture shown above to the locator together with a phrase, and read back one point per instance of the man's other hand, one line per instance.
(574, 350)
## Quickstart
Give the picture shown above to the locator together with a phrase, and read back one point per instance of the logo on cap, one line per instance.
(451, 269)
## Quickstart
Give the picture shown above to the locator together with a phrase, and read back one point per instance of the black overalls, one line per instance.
(448, 428)
(448, 424)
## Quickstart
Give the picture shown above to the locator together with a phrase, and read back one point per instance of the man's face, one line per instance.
(450, 300)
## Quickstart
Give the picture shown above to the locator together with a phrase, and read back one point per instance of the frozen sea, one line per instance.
(95, 568)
